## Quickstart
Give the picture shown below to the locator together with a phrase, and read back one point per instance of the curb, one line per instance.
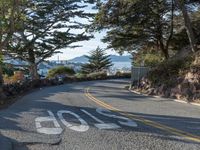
(175, 100)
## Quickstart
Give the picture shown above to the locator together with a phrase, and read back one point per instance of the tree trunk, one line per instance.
(166, 54)
(188, 25)
(33, 64)
(33, 71)
(164, 49)
(2, 95)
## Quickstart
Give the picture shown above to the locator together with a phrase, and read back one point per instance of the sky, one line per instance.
(87, 46)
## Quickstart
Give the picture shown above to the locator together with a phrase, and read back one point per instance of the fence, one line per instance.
(137, 73)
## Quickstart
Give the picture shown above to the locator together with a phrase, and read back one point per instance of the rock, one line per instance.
(151, 91)
(178, 96)
(175, 90)
(196, 96)
(187, 93)
(167, 93)
(180, 79)
(197, 86)
(161, 89)
(193, 88)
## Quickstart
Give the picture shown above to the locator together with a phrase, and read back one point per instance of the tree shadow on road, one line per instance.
(54, 99)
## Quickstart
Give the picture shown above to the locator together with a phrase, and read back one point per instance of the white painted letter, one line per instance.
(82, 128)
(127, 122)
(50, 118)
(101, 124)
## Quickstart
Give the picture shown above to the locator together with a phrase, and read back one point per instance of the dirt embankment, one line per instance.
(178, 79)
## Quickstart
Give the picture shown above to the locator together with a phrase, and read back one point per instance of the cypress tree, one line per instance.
(48, 27)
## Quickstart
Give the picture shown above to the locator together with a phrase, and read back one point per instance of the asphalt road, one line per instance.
(98, 115)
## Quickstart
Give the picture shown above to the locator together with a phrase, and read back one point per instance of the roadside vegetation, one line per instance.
(34, 30)
(60, 71)
(97, 61)
(161, 34)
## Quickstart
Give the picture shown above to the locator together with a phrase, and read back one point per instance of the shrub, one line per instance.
(123, 74)
(97, 75)
(7, 71)
(61, 70)
(169, 70)
(17, 77)
(147, 57)
(80, 75)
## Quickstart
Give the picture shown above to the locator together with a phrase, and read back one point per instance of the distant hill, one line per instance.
(81, 59)
(114, 58)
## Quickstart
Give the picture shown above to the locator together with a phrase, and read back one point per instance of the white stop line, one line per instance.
(83, 127)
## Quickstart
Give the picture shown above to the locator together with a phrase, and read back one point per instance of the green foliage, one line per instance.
(48, 27)
(10, 14)
(1, 59)
(134, 24)
(123, 74)
(98, 61)
(147, 57)
(97, 75)
(180, 38)
(61, 70)
(166, 71)
(80, 75)
(150, 60)
(8, 71)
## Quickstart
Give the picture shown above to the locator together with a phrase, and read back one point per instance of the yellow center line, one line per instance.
(174, 131)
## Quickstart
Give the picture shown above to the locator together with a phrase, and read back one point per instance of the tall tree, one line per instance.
(49, 26)
(136, 23)
(98, 61)
(9, 17)
(188, 25)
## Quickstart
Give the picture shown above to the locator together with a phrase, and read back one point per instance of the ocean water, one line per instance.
(120, 65)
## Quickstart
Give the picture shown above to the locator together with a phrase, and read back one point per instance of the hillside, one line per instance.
(114, 58)
(177, 79)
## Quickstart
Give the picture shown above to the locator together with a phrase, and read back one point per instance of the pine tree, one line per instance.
(97, 61)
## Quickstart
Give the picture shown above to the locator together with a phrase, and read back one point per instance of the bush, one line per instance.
(17, 77)
(123, 74)
(152, 60)
(148, 57)
(80, 75)
(61, 70)
(169, 70)
(7, 71)
(97, 75)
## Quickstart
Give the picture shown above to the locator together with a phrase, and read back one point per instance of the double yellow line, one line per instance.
(174, 131)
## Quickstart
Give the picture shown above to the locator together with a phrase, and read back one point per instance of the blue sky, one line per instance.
(87, 46)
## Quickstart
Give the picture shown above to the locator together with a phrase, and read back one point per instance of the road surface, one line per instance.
(99, 115)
